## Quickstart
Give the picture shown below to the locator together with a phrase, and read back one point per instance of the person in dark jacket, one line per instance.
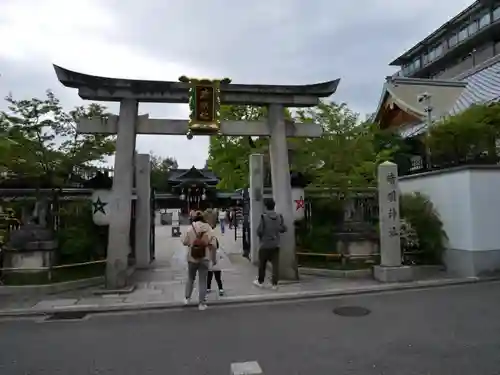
(269, 230)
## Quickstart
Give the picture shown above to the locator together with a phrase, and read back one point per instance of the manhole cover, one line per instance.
(353, 311)
(67, 315)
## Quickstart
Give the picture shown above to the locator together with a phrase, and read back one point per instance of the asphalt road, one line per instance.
(454, 330)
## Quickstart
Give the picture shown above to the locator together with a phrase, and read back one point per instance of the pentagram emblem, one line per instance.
(300, 203)
(99, 206)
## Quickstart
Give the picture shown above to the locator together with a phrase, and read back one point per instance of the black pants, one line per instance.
(218, 279)
(269, 255)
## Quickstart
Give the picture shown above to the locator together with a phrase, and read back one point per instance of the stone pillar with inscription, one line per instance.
(390, 269)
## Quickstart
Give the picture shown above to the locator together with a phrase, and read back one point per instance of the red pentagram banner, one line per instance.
(300, 203)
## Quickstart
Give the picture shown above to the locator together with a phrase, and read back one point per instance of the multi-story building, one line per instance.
(466, 41)
(454, 67)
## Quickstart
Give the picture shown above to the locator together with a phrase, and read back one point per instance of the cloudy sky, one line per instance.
(259, 41)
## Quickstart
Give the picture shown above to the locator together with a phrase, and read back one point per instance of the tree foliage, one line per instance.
(160, 167)
(469, 136)
(346, 155)
(46, 145)
(228, 157)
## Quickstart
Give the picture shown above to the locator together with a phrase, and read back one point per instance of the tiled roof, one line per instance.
(483, 86)
(176, 174)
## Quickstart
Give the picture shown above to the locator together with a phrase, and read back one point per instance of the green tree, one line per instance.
(469, 136)
(6, 143)
(47, 146)
(160, 167)
(228, 157)
(346, 155)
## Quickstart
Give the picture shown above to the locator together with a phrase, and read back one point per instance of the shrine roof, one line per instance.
(401, 95)
(114, 89)
(483, 87)
(192, 174)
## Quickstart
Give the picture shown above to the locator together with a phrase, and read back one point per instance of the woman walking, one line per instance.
(215, 270)
(202, 245)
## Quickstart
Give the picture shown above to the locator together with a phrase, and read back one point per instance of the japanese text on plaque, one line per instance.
(392, 205)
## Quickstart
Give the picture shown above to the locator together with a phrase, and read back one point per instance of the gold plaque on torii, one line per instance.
(204, 104)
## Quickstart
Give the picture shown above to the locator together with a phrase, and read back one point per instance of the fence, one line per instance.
(52, 274)
(341, 230)
(62, 215)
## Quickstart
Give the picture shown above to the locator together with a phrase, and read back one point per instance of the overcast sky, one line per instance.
(259, 41)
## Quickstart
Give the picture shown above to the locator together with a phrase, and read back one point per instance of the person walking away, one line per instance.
(202, 244)
(222, 220)
(192, 214)
(215, 270)
(210, 217)
(270, 227)
(229, 218)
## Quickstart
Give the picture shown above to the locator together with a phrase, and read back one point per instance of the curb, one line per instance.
(250, 299)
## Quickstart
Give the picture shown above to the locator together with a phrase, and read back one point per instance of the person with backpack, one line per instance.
(202, 245)
(269, 230)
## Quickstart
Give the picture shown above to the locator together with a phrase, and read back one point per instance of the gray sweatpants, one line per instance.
(202, 269)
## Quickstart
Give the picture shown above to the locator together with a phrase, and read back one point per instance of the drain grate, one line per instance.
(67, 315)
(351, 311)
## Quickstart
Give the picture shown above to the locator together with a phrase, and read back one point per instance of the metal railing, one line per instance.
(341, 257)
(50, 269)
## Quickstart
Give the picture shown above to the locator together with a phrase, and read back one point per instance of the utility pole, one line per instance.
(425, 98)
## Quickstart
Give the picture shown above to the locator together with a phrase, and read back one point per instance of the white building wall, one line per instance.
(468, 202)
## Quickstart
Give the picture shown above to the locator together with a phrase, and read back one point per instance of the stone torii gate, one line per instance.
(128, 124)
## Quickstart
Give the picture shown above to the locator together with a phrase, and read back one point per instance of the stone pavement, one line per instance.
(163, 284)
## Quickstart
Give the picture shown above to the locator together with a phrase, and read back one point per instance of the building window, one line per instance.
(496, 13)
(439, 50)
(425, 58)
(432, 54)
(484, 20)
(453, 40)
(462, 35)
(416, 63)
(472, 29)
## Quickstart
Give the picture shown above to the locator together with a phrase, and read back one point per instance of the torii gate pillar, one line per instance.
(282, 188)
(121, 204)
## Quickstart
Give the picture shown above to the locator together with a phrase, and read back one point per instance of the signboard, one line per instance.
(204, 105)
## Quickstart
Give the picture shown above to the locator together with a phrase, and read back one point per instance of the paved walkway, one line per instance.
(163, 284)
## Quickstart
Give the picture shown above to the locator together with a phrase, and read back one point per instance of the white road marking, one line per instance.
(246, 368)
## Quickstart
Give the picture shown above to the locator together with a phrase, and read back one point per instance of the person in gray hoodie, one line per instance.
(270, 227)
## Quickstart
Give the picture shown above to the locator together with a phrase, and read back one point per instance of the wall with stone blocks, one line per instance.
(468, 201)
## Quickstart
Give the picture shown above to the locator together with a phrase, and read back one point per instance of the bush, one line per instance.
(80, 240)
(468, 137)
(420, 213)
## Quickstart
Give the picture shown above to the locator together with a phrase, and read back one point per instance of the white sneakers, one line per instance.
(261, 285)
(257, 284)
(201, 306)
